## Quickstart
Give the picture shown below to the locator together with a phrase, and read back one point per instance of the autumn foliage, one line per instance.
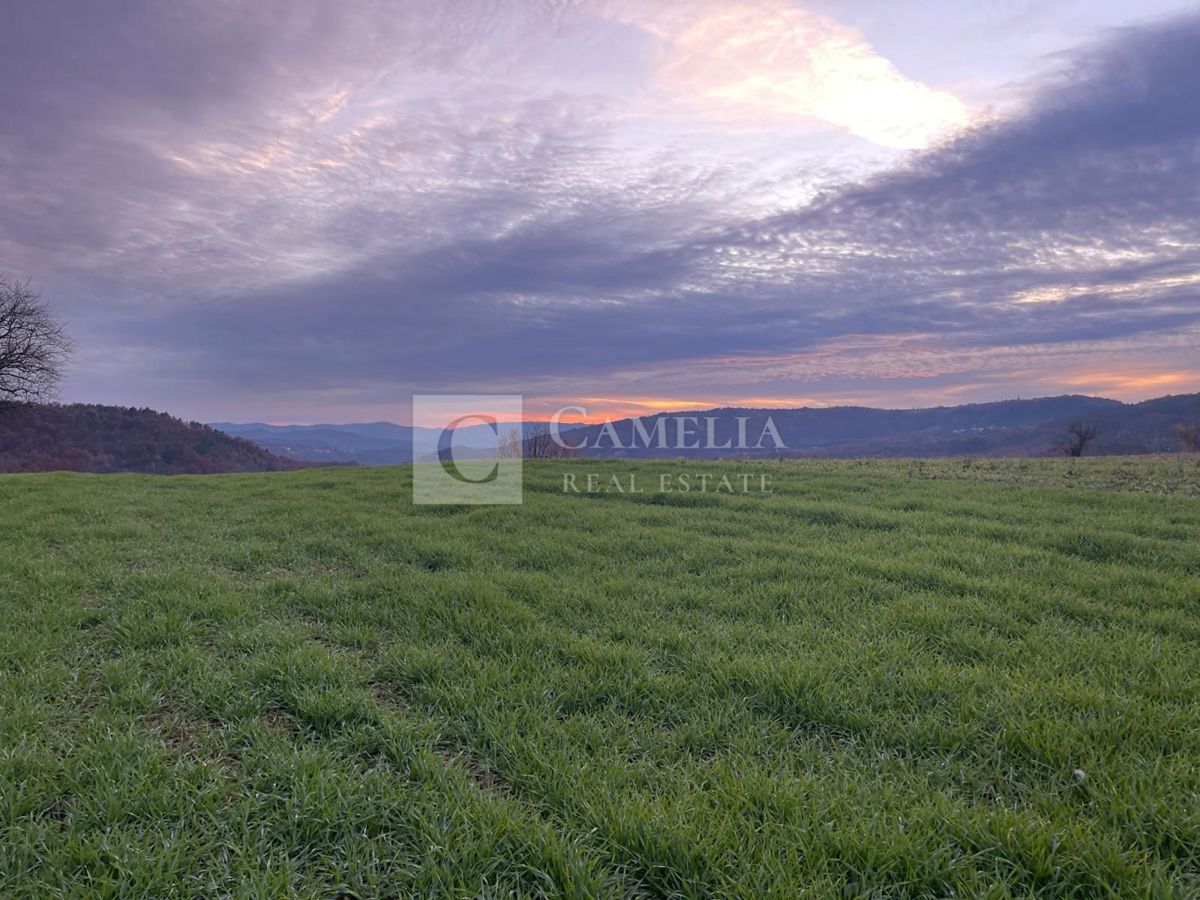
(87, 438)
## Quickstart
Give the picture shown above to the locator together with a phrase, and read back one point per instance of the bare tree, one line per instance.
(509, 446)
(539, 443)
(33, 345)
(1079, 434)
(1189, 436)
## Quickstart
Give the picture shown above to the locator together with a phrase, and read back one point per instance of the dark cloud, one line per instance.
(1094, 190)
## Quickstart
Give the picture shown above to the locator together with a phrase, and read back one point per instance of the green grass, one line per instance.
(1177, 474)
(881, 680)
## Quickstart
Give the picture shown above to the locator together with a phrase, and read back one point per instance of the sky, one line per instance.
(309, 211)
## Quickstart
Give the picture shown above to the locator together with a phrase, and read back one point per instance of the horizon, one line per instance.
(698, 410)
(305, 214)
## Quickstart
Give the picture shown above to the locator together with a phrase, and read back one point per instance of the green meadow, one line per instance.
(893, 679)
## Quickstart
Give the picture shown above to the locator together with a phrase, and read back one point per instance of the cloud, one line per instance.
(771, 60)
(260, 208)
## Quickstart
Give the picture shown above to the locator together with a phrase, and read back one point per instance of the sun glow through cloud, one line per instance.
(765, 61)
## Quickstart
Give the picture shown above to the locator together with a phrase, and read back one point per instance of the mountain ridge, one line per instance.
(1019, 427)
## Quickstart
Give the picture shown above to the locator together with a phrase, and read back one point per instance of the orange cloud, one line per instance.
(1135, 384)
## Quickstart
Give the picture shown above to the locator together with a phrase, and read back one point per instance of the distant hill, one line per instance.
(1005, 428)
(85, 438)
(370, 444)
(367, 443)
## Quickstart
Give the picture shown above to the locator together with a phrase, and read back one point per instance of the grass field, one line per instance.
(885, 679)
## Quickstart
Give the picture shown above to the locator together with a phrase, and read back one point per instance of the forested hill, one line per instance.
(1006, 428)
(86, 438)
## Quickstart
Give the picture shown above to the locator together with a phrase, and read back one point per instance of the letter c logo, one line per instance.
(450, 467)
